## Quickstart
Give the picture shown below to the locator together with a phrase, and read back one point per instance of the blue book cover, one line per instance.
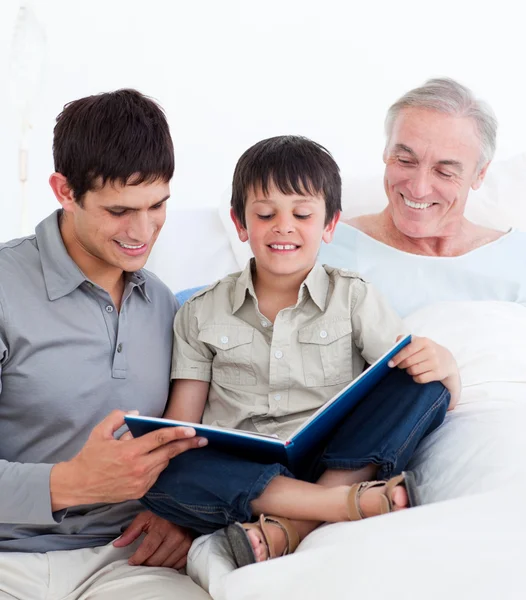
(268, 449)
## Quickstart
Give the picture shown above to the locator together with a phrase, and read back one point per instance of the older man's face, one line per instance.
(431, 162)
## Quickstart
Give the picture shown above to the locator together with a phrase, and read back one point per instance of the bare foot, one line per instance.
(370, 500)
(276, 534)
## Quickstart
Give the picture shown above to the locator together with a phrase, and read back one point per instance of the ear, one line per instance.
(63, 192)
(328, 232)
(241, 230)
(477, 182)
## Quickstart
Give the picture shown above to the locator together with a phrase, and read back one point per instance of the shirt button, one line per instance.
(264, 323)
(277, 397)
(323, 334)
(119, 348)
(224, 339)
(278, 354)
(109, 308)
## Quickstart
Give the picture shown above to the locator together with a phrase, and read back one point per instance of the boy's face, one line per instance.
(284, 231)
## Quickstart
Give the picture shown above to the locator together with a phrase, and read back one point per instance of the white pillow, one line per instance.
(242, 251)
(500, 201)
(481, 443)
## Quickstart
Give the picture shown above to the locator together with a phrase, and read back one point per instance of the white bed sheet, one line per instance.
(460, 549)
(467, 544)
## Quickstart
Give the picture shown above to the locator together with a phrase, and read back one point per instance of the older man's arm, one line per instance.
(164, 545)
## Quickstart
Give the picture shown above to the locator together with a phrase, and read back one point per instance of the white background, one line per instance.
(230, 73)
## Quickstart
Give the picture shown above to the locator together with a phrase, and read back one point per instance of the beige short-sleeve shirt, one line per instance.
(269, 377)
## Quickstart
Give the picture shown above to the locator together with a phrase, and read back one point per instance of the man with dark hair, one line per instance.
(85, 330)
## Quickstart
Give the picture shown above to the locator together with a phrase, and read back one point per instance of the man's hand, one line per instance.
(164, 545)
(427, 361)
(110, 470)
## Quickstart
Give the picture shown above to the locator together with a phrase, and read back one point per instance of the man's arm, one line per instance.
(25, 487)
(25, 494)
(109, 470)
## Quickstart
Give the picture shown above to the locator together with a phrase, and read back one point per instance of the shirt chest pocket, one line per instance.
(326, 353)
(232, 345)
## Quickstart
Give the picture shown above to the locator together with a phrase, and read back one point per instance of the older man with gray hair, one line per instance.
(421, 248)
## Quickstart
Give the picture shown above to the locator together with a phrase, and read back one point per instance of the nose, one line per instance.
(420, 183)
(141, 227)
(284, 224)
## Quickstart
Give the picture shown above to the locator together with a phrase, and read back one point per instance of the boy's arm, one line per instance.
(187, 400)
(191, 367)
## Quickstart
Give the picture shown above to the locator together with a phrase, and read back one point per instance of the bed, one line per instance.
(468, 540)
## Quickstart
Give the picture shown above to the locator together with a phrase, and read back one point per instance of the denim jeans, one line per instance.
(205, 489)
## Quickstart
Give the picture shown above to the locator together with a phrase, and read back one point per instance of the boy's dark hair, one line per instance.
(295, 165)
(120, 136)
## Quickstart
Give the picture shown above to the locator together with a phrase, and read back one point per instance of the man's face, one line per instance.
(284, 231)
(117, 225)
(431, 162)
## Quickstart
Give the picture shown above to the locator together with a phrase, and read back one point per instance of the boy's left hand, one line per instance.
(426, 361)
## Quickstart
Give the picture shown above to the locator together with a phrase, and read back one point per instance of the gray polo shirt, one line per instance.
(67, 358)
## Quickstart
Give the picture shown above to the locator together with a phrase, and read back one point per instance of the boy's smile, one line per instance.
(285, 231)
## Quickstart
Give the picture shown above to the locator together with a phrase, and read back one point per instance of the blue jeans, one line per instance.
(206, 490)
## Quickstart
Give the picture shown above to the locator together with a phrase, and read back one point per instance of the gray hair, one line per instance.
(450, 97)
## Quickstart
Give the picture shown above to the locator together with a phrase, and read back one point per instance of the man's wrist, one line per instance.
(64, 487)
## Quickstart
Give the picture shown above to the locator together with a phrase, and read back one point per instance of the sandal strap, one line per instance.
(291, 535)
(390, 487)
(354, 512)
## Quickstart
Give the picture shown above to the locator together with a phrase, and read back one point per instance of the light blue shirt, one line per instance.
(495, 271)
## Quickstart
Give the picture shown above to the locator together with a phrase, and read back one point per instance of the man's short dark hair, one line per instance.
(295, 165)
(116, 137)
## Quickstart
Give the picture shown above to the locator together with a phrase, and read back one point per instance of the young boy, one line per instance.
(261, 350)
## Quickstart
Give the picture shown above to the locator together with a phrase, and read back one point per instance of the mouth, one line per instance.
(283, 248)
(417, 205)
(131, 249)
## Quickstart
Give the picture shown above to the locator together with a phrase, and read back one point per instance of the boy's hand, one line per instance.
(426, 361)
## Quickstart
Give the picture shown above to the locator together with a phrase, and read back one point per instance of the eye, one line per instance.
(302, 217)
(157, 206)
(117, 213)
(265, 217)
(404, 161)
(445, 175)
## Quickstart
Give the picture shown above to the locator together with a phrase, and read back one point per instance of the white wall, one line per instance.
(231, 72)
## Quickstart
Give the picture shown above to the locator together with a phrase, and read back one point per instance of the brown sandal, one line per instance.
(407, 479)
(242, 547)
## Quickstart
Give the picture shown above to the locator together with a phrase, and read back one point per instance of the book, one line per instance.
(264, 448)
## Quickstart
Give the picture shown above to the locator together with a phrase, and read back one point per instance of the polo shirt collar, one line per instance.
(61, 273)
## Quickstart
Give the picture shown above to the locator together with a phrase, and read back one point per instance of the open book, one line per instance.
(267, 448)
